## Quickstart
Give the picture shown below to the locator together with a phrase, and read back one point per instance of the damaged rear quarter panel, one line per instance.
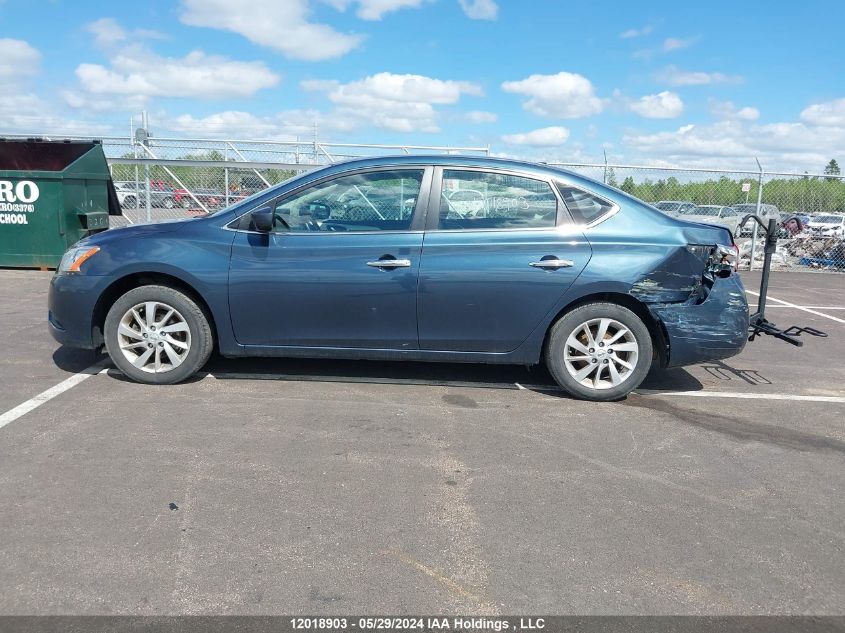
(649, 254)
(713, 329)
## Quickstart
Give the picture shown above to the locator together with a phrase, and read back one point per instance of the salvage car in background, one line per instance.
(765, 213)
(675, 207)
(380, 258)
(211, 198)
(132, 195)
(827, 225)
(714, 214)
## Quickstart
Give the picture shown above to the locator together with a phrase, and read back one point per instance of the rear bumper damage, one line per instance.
(709, 329)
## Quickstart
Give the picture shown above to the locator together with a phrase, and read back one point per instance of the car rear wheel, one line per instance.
(130, 202)
(186, 202)
(168, 203)
(157, 335)
(599, 351)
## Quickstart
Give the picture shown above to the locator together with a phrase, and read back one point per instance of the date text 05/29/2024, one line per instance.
(407, 623)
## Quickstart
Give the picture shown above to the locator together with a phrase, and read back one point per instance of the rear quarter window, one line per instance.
(583, 206)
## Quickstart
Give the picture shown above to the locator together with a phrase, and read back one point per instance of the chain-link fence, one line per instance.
(164, 178)
(170, 178)
(180, 188)
(809, 208)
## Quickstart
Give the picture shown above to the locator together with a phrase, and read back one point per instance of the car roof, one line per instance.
(453, 160)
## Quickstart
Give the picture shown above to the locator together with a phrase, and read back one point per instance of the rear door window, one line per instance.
(471, 199)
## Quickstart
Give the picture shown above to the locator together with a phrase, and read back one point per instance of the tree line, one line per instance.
(790, 195)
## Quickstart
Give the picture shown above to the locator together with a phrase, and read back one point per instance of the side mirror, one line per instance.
(262, 219)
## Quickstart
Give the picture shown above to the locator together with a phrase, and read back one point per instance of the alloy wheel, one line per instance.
(601, 353)
(154, 337)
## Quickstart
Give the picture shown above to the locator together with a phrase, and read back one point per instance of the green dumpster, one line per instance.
(52, 194)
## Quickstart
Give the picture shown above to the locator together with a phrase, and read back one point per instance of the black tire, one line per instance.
(186, 202)
(130, 202)
(571, 322)
(201, 336)
(167, 203)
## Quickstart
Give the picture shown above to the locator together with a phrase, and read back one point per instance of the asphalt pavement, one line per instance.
(299, 486)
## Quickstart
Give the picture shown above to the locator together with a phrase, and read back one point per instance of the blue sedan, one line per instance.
(433, 258)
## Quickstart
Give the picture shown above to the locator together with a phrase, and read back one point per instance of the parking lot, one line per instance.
(295, 486)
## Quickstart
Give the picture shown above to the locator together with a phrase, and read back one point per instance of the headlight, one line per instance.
(75, 257)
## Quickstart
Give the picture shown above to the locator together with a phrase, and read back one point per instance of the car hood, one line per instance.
(824, 225)
(137, 230)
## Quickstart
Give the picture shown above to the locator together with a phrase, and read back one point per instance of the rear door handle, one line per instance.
(553, 263)
(390, 263)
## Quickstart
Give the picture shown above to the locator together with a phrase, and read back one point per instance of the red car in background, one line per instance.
(211, 198)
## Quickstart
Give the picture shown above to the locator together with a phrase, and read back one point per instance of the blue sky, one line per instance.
(699, 84)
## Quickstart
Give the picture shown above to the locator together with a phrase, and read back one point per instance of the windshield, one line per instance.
(827, 219)
(714, 211)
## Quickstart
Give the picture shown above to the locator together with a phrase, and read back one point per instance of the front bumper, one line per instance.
(71, 302)
(713, 329)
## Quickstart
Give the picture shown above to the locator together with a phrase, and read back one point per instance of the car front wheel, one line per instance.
(599, 351)
(157, 335)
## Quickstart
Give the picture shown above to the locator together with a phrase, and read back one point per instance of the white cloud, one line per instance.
(376, 9)
(480, 116)
(663, 105)
(139, 73)
(282, 126)
(281, 25)
(787, 146)
(29, 114)
(564, 95)
(544, 137)
(674, 76)
(827, 113)
(727, 110)
(675, 43)
(669, 45)
(18, 59)
(400, 103)
(480, 9)
(108, 32)
(631, 33)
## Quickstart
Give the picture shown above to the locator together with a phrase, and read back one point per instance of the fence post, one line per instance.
(226, 172)
(757, 211)
(604, 178)
(147, 191)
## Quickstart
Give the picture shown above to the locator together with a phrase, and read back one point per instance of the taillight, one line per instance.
(727, 255)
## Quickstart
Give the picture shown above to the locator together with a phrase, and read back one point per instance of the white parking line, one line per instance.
(742, 396)
(45, 396)
(512, 385)
(777, 305)
(797, 307)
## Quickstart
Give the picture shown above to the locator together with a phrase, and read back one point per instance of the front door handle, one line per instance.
(553, 263)
(390, 263)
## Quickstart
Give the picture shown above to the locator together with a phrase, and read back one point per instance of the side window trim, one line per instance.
(418, 219)
(433, 212)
